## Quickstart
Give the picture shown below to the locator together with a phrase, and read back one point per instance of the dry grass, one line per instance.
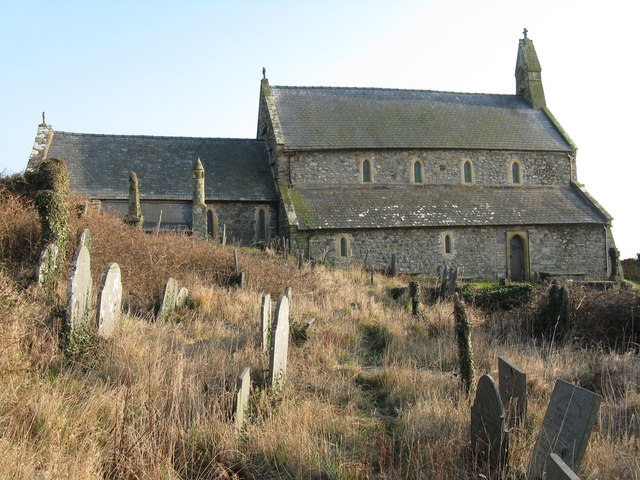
(373, 392)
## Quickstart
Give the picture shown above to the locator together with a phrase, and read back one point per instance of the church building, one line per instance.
(483, 182)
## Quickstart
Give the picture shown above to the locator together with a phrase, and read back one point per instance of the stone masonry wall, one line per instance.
(481, 253)
(239, 218)
(440, 166)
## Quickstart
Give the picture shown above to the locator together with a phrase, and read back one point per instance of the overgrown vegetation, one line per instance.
(493, 296)
(372, 391)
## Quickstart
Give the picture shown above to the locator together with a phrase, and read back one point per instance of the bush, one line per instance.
(492, 296)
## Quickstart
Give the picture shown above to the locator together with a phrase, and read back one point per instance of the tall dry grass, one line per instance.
(373, 393)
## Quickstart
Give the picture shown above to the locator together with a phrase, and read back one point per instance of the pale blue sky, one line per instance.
(193, 68)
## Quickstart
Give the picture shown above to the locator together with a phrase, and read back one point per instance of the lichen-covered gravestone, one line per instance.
(109, 304)
(47, 267)
(558, 470)
(279, 345)
(566, 428)
(168, 300)
(513, 391)
(242, 397)
(182, 297)
(79, 297)
(489, 437)
(265, 321)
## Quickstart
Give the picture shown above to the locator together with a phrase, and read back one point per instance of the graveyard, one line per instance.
(148, 356)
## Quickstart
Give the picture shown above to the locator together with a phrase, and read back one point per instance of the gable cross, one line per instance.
(524, 32)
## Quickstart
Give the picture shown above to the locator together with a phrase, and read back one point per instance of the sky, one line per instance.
(193, 68)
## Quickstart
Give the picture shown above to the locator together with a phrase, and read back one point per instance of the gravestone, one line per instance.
(47, 267)
(168, 300)
(79, 296)
(86, 239)
(242, 397)
(289, 293)
(489, 437)
(558, 470)
(236, 263)
(182, 297)
(237, 280)
(566, 428)
(443, 283)
(279, 345)
(513, 392)
(453, 278)
(109, 304)
(265, 321)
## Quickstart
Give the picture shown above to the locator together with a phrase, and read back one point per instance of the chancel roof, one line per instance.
(362, 207)
(99, 165)
(319, 118)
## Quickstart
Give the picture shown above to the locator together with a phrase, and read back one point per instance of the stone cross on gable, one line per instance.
(524, 32)
(264, 72)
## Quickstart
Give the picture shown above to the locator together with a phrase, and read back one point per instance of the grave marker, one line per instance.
(47, 267)
(513, 392)
(265, 321)
(242, 397)
(489, 437)
(289, 293)
(182, 297)
(79, 295)
(168, 299)
(566, 428)
(109, 304)
(279, 345)
(453, 278)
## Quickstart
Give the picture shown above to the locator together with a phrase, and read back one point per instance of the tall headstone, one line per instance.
(47, 270)
(134, 216)
(169, 298)
(265, 321)
(566, 428)
(198, 207)
(513, 392)
(242, 397)
(444, 283)
(79, 297)
(453, 278)
(463, 336)
(279, 348)
(558, 470)
(489, 437)
(109, 304)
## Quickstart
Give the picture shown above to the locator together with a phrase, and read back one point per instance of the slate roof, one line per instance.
(318, 118)
(349, 207)
(235, 169)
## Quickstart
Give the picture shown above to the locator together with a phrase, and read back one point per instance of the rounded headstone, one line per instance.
(182, 297)
(489, 439)
(79, 292)
(109, 302)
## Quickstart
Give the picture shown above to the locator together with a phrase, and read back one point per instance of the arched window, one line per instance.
(262, 225)
(516, 176)
(342, 246)
(447, 244)
(467, 172)
(417, 172)
(366, 171)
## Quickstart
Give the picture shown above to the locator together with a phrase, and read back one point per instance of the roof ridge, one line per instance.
(113, 135)
(318, 87)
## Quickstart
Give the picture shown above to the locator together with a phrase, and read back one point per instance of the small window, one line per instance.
(262, 225)
(447, 244)
(515, 173)
(366, 171)
(467, 172)
(342, 246)
(417, 172)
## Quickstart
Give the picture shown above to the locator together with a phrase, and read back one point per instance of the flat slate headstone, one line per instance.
(242, 397)
(47, 266)
(109, 304)
(279, 347)
(168, 299)
(513, 391)
(566, 428)
(182, 297)
(79, 294)
(558, 470)
(265, 321)
(489, 437)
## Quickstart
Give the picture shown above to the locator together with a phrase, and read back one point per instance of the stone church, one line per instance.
(484, 182)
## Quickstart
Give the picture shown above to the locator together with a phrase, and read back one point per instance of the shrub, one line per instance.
(492, 296)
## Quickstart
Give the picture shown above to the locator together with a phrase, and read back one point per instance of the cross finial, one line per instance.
(43, 122)
(264, 72)
(524, 32)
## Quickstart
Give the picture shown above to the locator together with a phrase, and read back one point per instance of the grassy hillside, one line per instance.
(373, 392)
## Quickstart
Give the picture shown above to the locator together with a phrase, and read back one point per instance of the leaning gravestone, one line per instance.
(558, 470)
(489, 437)
(168, 299)
(182, 297)
(265, 321)
(47, 267)
(513, 392)
(279, 345)
(79, 296)
(109, 302)
(566, 428)
(242, 397)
